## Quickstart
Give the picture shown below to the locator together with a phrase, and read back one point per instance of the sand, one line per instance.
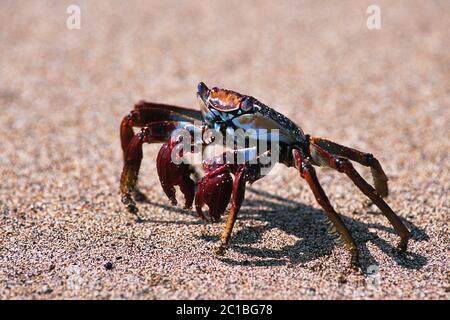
(63, 230)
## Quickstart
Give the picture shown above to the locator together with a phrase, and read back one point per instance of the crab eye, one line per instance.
(247, 104)
(202, 89)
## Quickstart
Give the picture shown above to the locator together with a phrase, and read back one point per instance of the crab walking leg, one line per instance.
(366, 159)
(344, 165)
(126, 133)
(153, 132)
(242, 176)
(308, 173)
(148, 112)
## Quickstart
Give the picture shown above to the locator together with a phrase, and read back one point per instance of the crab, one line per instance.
(220, 111)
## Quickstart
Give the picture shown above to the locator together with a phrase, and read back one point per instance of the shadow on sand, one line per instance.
(307, 224)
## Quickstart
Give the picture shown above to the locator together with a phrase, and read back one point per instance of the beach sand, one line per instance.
(63, 230)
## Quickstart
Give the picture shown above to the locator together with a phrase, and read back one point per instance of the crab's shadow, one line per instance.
(307, 224)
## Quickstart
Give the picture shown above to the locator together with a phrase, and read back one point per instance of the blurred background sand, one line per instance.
(63, 93)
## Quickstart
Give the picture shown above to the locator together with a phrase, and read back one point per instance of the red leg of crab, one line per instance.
(145, 113)
(322, 156)
(157, 132)
(216, 188)
(308, 173)
(151, 115)
(366, 159)
(154, 132)
(243, 174)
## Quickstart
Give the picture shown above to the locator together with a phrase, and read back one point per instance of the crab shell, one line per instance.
(224, 109)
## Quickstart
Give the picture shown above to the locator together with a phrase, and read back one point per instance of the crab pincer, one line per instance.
(214, 190)
(175, 174)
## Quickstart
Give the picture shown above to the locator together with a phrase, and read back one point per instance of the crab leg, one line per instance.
(366, 159)
(308, 173)
(147, 112)
(244, 174)
(341, 164)
(151, 133)
(216, 187)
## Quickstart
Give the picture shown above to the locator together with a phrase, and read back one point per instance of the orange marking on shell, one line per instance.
(225, 100)
(246, 120)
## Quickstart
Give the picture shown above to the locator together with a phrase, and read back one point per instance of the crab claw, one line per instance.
(214, 190)
(171, 175)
